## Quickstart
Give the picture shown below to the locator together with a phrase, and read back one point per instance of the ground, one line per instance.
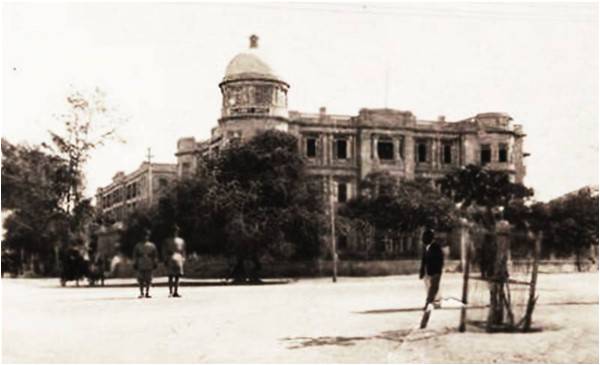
(356, 320)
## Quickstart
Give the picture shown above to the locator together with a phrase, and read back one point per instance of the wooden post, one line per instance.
(532, 298)
(465, 290)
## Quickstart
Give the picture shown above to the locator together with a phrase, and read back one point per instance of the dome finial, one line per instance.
(253, 41)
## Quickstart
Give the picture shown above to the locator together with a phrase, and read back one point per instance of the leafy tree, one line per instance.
(474, 186)
(88, 124)
(274, 208)
(250, 202)
(572, 227)
(390, 205)
(34, 185)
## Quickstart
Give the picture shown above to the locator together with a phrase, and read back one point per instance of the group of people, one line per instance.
(145, 261)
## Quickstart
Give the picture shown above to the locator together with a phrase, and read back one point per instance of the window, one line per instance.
(342, 193)
(486, 154)
(185, 167)
(503, 153)
(341, 146)
(385, 150)
(447, 158)
(422, 152)
(162, 182)
(311, 147)
(342, 242)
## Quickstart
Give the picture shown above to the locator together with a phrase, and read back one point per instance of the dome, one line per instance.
(249, 65)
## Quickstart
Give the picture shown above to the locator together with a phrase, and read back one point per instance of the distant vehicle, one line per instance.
(74, 267)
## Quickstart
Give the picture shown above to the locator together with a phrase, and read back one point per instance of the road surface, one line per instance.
(355, 320)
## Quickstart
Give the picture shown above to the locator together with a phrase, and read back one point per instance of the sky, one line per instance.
(160, 65)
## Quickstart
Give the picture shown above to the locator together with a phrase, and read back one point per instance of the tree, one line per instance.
(35, 186)
(492, 191)
(250, 202)
(88, 124)
(572, 227)
(392, 205)
(473, 185)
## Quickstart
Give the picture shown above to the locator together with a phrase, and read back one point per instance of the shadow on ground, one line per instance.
(420, 309)
(399, 337)
(134, 284)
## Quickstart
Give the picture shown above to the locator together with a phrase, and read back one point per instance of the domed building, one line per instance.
(340, 150)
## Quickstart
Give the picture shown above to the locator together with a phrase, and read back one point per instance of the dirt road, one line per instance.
(356, 320)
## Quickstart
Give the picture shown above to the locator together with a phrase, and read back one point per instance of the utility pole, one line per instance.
(332, 217)
(150, 187)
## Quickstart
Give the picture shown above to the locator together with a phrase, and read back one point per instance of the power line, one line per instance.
(457, 13)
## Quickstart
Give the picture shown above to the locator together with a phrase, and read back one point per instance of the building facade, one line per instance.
(142, 187)
(341, 150)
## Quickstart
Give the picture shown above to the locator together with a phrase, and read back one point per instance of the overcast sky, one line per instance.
(160, 64)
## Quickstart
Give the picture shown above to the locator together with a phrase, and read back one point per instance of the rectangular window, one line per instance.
(447, 153)
(341, 146)
(342, 242)
(385, 150)
(342, 193)
(486, 154)
(421, 152)
(311, 147)
(503, 153)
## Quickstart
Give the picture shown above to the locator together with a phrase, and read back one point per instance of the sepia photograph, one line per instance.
(300, 182)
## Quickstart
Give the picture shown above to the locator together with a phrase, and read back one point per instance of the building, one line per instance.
(142, 187)
(343, 149)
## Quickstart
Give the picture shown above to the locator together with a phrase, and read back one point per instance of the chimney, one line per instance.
(322, 111)
(442, 118)
(253, 41)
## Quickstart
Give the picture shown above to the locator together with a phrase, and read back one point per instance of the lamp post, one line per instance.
(332, 217)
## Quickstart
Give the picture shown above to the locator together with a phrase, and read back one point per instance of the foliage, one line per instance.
(392, 205)
(34, 186)
(272, 207)
(474, 185)
(250, 201)
(88, 124)
(572, 226)
(478, 191)
(43, 185)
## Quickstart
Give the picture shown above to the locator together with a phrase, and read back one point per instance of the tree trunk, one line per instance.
(500, 275)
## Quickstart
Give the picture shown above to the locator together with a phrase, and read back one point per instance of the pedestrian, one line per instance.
(432, 265)
(175, 259)
(145, 259)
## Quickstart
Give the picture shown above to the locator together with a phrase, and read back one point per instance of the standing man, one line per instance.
(432, 265)
(145, 259)
(175, 260)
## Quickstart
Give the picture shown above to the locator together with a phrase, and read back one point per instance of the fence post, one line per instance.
(532, 285)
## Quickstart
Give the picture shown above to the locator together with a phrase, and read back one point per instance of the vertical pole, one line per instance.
(332, 217)
(465, 290)
(150, 192)
(533, 283)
